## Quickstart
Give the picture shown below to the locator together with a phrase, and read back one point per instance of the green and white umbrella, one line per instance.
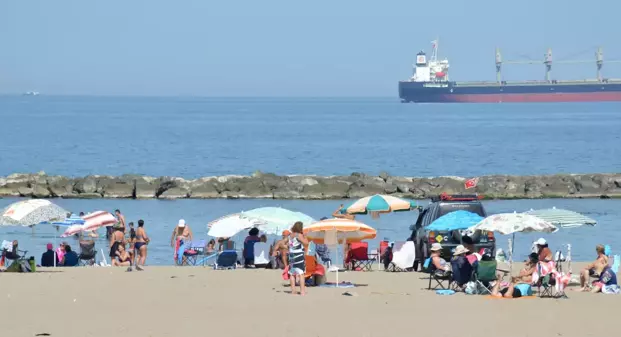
(562, 218)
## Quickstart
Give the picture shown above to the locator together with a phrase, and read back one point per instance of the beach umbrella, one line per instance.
(562, 218)
(72, 230)
(31, 212)
(511, 223)
(96, 220)
(276, 219)
(230, 225)
(377, 204)
(338, 231)
(456, 220)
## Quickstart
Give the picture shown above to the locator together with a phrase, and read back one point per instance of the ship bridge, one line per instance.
(432, 69)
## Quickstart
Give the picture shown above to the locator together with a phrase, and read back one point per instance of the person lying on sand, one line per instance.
(525, 277)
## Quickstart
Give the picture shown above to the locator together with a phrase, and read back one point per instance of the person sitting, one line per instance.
(122, 257)
(471, 255)
(248, 253)
(437, 264)
(13, 252)
(520, 284)
(596, 268)
(70, 259)
(211, 246)
(47, 258)
(461, 267)
(544, 253)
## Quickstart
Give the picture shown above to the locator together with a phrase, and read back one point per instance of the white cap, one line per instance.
(436, 246)
(181, 223)
(541, 242)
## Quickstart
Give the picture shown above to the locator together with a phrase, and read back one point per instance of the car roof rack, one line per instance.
(456, 197)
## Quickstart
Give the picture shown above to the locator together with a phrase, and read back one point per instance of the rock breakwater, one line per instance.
(271, 186)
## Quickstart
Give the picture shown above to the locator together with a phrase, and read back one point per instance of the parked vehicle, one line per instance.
(441, 205)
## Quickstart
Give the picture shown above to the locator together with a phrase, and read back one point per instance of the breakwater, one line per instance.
(271, 186)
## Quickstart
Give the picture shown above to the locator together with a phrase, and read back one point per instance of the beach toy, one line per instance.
(445, 292)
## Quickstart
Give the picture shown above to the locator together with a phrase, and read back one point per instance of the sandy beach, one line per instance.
(184, 301)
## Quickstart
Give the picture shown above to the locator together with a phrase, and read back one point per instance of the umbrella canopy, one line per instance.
(72, 220)
(456, 220)
(346, 230)
(228, 226)
(379, 203)
(510, 223)
(31, 212)
(276, 219)
(98, 219)
(562, 217)
(72, 230)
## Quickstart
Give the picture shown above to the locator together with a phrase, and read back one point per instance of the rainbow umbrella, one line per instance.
(379, 203)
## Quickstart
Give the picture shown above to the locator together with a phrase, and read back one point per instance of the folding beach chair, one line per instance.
(227, 259)
(193, 250)
(360, 256)
(550, 280)
(484, 274)
(403, 256)
(88, 254)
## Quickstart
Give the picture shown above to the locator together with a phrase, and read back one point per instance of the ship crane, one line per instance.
(547, 62)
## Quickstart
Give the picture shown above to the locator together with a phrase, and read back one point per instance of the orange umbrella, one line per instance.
(346, 231)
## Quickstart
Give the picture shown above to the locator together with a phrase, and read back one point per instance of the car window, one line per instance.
(473, 207)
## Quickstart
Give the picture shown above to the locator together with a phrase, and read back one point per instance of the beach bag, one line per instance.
(19, 266)
(472, 288)
(611, 289)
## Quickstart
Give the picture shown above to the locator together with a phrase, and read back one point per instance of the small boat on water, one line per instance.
(31, 93)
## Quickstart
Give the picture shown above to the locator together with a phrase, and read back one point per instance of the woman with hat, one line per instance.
(462, 269)
(437, 262)
(180, 236)
(544, 253)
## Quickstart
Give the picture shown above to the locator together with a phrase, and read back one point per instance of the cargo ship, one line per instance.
(430, 83)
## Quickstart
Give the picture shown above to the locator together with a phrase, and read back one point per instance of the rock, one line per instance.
(145, 187)
(112, 187)
(175, 193)
(384, 175)
(60, 186)
(204, 188)
(9, 186)
(88, 196)
(41, 191)
(357, 191)
(86, 185)
(24, 191)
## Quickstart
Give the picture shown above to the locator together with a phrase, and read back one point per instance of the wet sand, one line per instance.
(197, 301)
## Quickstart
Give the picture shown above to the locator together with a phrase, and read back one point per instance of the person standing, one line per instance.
(142, 240)
(297, 264)
(181, 235)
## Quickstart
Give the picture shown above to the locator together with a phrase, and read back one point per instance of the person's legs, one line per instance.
(143, 255)
(292, 282)
(302, 284)
(509, 292)
(180, 252)
(584, 280)
(496, 290)
(597, 287)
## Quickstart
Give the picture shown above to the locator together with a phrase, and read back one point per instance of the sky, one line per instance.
(288, 48)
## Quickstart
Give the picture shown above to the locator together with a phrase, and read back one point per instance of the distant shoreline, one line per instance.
(308, 187)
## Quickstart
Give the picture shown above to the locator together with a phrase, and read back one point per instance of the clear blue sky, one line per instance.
(286, 48)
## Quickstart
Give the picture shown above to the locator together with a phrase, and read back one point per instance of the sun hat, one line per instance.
(460, 250)
(435, 247)
(541, 242)
(181, 223)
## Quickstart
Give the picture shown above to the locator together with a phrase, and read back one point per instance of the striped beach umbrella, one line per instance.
(562, 218)
(98, 219)
(346, 231)
(379, 203)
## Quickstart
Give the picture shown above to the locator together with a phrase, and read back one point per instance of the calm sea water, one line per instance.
(194, 137)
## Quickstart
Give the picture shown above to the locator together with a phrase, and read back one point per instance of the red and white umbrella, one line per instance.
(98, 219)
(72, 230)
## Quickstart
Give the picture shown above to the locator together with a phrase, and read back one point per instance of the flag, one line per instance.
(471, 183)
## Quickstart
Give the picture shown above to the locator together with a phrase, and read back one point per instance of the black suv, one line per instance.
(439, 206)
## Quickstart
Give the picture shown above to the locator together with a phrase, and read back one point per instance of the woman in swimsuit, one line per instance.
(180, 235)
(122, 257)
(141, 245)
(297, 265)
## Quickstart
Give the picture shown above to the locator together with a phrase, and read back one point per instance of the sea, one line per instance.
(192, 137)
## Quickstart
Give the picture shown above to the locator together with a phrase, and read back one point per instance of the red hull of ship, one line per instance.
(547, 97)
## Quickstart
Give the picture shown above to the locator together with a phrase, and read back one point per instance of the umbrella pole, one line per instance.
(511, 247)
